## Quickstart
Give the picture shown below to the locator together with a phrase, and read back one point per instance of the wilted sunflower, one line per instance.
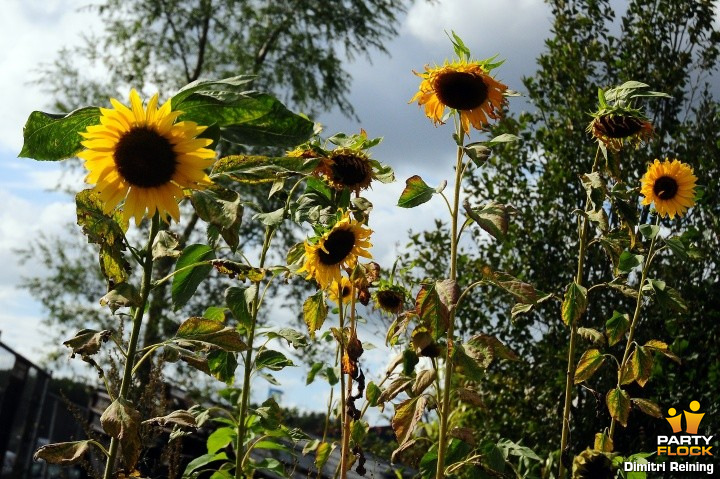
(142, 156)
(390, 298)
(616, 126)
(343, 290)
(347, 168)
(338, 248)
(463, 86)
(591, 464)
(670, 185)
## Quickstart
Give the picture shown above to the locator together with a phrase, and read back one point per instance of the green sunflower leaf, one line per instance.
(210, 332)
(52, 137)
(628, 262)
(189, 275)
(273, 360)
(314, 312)
(259, 169)
(493, 218)
(589, 363)
(222, 365)
(618, 403)
(616, 326)
(574, 303)
(243, 116)
(416, 192)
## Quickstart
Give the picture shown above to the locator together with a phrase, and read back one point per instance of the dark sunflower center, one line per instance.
(339, 244)
(389, 300)
(619, 126)
(665, 188)
(460, 90)
(350, 170)
(345, 291)
(145, 158)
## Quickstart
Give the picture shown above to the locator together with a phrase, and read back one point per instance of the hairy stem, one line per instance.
(147, 265)
(570, 375)
(444, 410)
(245, 396)
(635, 318)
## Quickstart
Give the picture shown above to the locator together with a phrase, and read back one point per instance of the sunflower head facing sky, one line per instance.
(336, 249)
(143, 156)
(615, 127)
(465, 86)
(670, 185)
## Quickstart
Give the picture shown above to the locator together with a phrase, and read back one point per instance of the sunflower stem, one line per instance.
(636, 317)
(147, 265)
(343, 394)
(570, 377)
(444, 410)
(245, 396)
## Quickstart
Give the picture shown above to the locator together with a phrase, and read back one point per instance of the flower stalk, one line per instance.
(145, 287)
(444, 410)
(572, 342)
(245, 396)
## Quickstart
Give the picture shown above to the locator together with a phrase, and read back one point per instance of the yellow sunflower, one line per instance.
(347, 168)
(463, 86)
(338, 248)
(670, 185)
(616, 127)
(343, 289)
(141, 155)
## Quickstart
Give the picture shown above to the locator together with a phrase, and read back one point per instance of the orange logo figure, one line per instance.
(674, 421)
(692, 419)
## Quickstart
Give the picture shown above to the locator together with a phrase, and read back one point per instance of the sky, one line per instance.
(381, 89)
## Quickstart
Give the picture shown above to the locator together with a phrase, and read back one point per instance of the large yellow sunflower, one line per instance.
(142, 156)
(670, 185)
(463, 86)
(338, 248)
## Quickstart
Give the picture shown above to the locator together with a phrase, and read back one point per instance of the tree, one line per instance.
(673, 47)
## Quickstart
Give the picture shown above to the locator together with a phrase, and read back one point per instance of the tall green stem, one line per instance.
(635, 318)
(570, 377)
(147, 265)
(245, 396)
(444, 410)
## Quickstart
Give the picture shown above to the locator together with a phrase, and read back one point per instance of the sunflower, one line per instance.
(616, 126)
(670, 185)
(591, 464)
(347, 168)
(343, 289)
(141, 155)
(390, 299)
(338, 248)
(463, 86)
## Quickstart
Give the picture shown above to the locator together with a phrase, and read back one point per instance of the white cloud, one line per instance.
(33, 32)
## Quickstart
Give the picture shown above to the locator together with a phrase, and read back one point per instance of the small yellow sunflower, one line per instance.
(670, 185)
(615, 128)
(347, 168)
(463, 86)
(142, 156)
(338, 248)
(343, 290)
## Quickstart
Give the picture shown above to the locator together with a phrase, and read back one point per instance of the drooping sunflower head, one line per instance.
(337, 249)
(347, 168)
(670, 185)
(591, 464)
(342, 290)
(390, 298)
(615, 127)
(143, 156)
(465, 86)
